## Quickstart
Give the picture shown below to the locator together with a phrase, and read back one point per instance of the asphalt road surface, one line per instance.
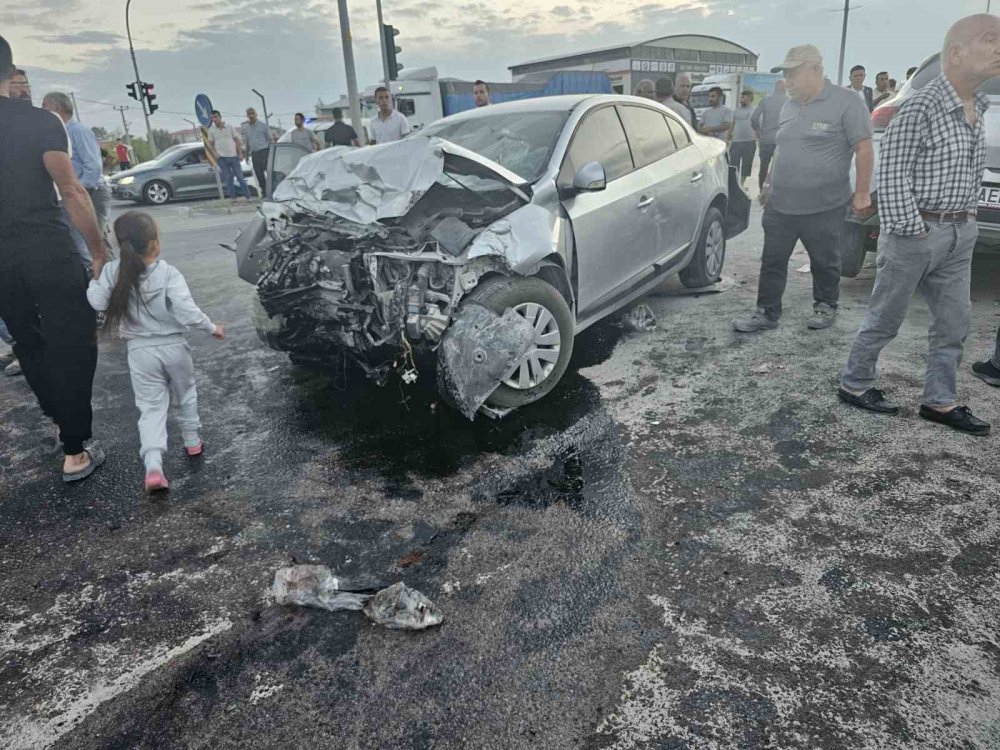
(689, 544)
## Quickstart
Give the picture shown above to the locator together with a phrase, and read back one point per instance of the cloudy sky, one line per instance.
(290, 49)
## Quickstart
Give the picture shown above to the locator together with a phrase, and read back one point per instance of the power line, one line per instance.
(164, 111)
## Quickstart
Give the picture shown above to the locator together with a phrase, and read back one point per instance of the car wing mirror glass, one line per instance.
(590, 178)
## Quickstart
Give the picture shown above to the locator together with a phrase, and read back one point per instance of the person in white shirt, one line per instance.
(229, 152)
(390, 125)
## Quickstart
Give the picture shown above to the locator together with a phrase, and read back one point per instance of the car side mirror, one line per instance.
(591, 178)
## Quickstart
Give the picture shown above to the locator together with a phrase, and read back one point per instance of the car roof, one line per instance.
(562, 103)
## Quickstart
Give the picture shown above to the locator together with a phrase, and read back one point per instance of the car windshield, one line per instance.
(520, 141)
(933, 69)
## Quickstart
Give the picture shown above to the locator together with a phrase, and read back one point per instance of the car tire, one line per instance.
(709, 255)
(156, 193)
(854, 246)
(532, 298)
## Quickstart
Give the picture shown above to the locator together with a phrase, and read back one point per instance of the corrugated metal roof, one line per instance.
(555, 58)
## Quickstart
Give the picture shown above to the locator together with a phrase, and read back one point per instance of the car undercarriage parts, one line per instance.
(477, 352)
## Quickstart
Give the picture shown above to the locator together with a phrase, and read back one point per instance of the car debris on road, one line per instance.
(397, 607)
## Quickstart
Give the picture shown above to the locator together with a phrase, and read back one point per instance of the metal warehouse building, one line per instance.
(626, 65)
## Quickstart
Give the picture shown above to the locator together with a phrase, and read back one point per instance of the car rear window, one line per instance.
(648, 134)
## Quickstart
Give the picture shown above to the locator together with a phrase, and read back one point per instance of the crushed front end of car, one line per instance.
(369, 254)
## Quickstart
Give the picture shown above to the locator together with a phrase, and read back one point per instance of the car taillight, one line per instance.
(882, 115)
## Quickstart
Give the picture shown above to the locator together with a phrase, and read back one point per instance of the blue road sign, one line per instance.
(203, 109)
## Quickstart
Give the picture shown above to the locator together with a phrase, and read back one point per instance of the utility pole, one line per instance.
(128, 137)
(843, 44)
(382, 40)
(267, 120)
(76, 110)
(349, 72)
(138, 81)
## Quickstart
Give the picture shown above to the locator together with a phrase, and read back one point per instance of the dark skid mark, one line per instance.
(836, 580)
(399, 430)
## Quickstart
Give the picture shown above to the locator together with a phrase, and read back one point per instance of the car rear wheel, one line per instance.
(156, 192)
(542, 367)
(710, 254)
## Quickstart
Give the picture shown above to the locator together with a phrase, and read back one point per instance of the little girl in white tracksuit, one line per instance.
(147, 302)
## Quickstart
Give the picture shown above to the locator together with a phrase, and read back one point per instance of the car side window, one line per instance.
(195, 157)
(648, 134)
(681, 137)
(600, 137)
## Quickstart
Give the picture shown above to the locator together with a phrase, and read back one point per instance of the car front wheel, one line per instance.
(156, 192)
(709, 255)
(542, 366)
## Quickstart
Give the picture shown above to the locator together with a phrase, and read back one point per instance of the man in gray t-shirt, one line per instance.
(744, 143)
(822, 128)
(717, 120)
(765, 120)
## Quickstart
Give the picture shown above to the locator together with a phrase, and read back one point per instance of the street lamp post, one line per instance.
(843, 44)
(138, 81)
(263, 103)
(383, 40)
(349, 72)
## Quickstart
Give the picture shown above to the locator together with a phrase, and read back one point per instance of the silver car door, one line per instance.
(689, 187)
(193, 175)
(612, 228)
(653, 149)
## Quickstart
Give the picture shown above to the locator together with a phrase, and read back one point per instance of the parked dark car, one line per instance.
(861, 236)
(181, 171)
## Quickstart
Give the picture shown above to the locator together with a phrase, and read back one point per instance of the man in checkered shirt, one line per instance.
(932, 159)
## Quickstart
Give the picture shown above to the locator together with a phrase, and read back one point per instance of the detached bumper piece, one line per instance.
(737, 217)
(477, 352)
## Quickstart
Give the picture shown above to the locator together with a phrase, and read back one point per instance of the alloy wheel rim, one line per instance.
(538, 362)
(715, 249)
(157, 193)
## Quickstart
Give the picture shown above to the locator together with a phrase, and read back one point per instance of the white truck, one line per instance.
(732, 84)
(424, 97)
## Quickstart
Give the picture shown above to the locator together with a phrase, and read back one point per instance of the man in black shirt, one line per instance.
(340, 133)
(43, 286)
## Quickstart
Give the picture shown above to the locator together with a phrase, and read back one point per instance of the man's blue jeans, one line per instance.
(230, 169)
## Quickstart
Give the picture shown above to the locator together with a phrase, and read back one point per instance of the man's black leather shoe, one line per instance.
(872, 400)
(959, 418)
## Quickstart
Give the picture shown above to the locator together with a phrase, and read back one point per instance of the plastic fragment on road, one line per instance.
(401, 608)
(640, 318)
(317, 586)
(397, 607)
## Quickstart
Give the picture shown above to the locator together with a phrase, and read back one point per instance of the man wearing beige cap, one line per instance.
(822, 127)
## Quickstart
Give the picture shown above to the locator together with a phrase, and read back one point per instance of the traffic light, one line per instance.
(133, 91)
(149, 96)
(390, 50)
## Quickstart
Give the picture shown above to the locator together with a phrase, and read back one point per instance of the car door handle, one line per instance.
(645, 202)
(696, 177)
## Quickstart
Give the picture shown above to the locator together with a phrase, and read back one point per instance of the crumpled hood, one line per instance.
(369, 184)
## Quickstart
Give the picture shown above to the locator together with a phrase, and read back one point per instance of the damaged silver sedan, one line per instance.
(487, 241)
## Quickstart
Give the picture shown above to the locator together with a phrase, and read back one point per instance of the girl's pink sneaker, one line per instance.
(196, 451)
(156, 482)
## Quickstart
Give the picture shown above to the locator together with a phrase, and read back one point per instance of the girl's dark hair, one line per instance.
(134, 230)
